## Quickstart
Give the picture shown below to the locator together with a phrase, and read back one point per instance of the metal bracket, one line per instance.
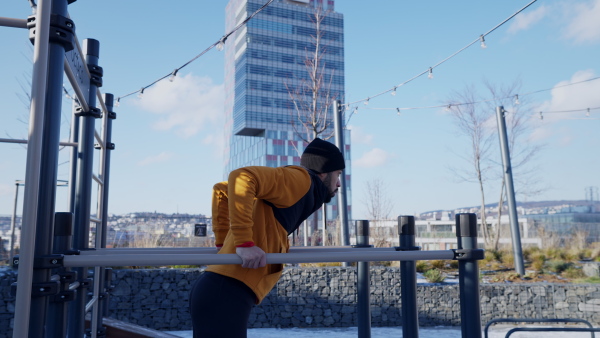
(86, 283)
(64, 296)
(361, 246)
(112, 115)
(43, 262)
(62, 30)
(93, 112)
(468, 254)
(40, 289)
(407, 248)
(68, 276)
(96, 73)
(109, 146)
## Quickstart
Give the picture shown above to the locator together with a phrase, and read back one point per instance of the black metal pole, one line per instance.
(363, 289)
(57, 317)
(81, 231)
(468, 276)
(342, 194)
(408, 278)
(49, 168)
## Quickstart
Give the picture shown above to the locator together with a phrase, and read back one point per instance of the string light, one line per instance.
(483, 45)
(398, 110)
(394, 91)
(366, 102)
(141, 93)
(172, 77)
(541, 116)
(588, 112)
(517, 99)
(118, 103)
(218, 45)
(430, 70)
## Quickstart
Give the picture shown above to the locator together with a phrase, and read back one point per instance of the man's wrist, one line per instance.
(245, 245)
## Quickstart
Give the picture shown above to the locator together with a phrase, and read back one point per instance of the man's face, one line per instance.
(332, 182)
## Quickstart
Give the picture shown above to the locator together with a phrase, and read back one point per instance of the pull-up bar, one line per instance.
(305, 256)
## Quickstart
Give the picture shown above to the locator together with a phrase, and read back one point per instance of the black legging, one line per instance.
(220, 306)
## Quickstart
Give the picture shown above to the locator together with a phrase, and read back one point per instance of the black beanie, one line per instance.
(322, 157)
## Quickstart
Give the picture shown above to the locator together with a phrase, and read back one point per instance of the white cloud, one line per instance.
(162, 157)
(375, 157)
(525, 19)
(186, 105)
(584, 22)
(359, 136)
(6, 190)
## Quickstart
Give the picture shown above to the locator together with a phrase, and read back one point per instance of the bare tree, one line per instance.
(379, 208)
(474, 122)
(312, 97)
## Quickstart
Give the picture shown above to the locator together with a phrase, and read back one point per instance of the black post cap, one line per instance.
(362, 228)
(63, 222)
(406, 225)
(466, 225)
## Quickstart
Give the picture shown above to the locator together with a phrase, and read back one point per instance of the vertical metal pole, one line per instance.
(342, 201)
(57, 317)
(81, 231)
(363, 282)
(13, 223)
(324, 216)
(33, 169)
(408, 278)
(305, 230)
(468, 277)
(510, 193)
(73, 161)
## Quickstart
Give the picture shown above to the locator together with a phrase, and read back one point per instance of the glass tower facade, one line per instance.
(265, 75)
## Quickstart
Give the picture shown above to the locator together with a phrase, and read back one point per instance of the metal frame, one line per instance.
(590, 327)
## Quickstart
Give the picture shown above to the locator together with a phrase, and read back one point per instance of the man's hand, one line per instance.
(252, 257)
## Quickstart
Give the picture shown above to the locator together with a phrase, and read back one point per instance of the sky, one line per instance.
(169, 143)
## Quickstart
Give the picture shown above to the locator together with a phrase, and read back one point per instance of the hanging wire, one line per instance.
(484, 100)
(220, 42)
(429, 70)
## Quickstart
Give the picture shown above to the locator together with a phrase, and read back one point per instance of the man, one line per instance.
(254, 212)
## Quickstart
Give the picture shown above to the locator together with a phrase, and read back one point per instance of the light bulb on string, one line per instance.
(448, 107)
(394, 91)
(588, 112)
(173, 74)
(541, 116)
(118, 103)
(367, 101)
(517, 99)
(483, 45)
(398, 110)
(430, 75)
(141, 93)
(221, 44)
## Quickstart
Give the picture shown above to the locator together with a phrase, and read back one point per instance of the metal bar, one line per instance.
(11, 22)
(33, 169)
(363, 280)
(310, 256)
(99, 139)
(535, 320)
(408, 276)
(510, 193)
(90, 304)
(468, 277)
(553, 329)
(13, 223)
(97, 179)
(73, 163)
(197, 251)
(83, 191)
(95, 220)
(79, 93)
(342, 201)
(8, 140)
(57, 323)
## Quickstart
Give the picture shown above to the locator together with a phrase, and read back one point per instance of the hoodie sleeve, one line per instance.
(220, 212)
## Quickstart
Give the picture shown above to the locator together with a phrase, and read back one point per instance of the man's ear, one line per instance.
(322, 176)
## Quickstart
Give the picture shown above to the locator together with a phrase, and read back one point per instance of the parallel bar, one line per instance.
(11, 22)
(97, 179)
(309, 256)
(10, 140)
(196, 251)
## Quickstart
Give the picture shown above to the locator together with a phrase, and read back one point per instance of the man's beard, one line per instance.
(330, 194)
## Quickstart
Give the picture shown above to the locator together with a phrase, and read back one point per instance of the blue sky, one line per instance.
(169, 143)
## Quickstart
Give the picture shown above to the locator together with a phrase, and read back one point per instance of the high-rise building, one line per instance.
(266, 79)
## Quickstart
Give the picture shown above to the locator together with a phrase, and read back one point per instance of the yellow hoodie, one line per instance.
(243, 211)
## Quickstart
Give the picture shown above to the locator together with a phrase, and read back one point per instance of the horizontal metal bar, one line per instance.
(11, 22)
(95, 220)
(90, 304)
(74, 286)
(309, 256)
(97, 179)
(212, 250)
(10, 140)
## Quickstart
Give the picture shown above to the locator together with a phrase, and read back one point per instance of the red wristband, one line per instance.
(245, 245)
(219, 245)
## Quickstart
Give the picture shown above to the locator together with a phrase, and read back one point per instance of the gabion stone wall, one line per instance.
(326, 297)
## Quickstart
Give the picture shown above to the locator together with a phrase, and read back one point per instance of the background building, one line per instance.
(265, 62)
